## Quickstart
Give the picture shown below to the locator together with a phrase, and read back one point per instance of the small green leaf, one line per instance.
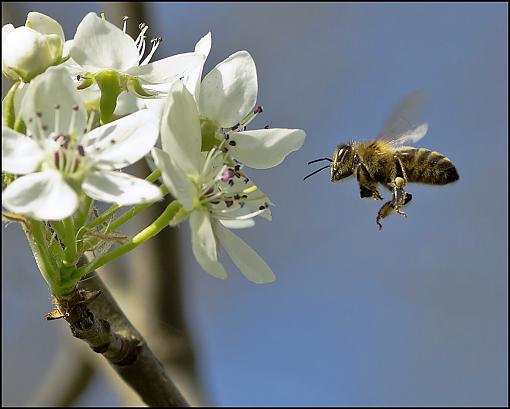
(8, 114)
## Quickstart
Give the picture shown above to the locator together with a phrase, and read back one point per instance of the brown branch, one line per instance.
(98, 320)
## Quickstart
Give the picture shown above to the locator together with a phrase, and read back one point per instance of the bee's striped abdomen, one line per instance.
(425, 166)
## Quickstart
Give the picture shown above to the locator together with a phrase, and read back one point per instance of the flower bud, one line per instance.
(29, 50)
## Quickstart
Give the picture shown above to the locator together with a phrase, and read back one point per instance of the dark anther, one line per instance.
(229, 203)
(44, 127)
(225, 150)
(258, 110)
(226, 136)
(232, 143)
(75, 107)
(237, 197)
(81, 150)
(241, 204)
(236, 126)
(57, 106)
(39, 114)
(262, 207)
(112, 141)
(231, 182)
(244, 196)
(266, 127)
(78, 77)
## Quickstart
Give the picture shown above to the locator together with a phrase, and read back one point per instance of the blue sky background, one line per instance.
(415, 314)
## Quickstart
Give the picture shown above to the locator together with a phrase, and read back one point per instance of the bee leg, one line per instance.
(367, 185)
(383, 212)
(388, 207)
(400, 170)
(401, 198)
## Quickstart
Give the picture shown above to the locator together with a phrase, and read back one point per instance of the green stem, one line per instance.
(70, 245)
(129, 214)
(58, 226)
(42, 255)
(83, 214)
(8, 113)
(150, 231)
(115, 208)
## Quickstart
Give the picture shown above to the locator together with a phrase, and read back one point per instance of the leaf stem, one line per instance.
(150, 231)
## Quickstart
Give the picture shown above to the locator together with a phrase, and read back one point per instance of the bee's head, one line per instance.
(343, 163)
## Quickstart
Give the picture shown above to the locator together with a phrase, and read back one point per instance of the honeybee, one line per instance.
(387, 161)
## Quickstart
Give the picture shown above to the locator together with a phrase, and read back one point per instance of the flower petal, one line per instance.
(168, 69)
(124, 141)
(238, 224)
(42, 196)
(203, 243)
(253, 267)
(98, 44)
(20, 154)
(229, 92)
(265, 148)
(119, 188)
(192, 81)
(180, 129)
(54, 87)
(179, 185)
(45, 25)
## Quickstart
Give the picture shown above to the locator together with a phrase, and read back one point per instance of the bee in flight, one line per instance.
(387, 161)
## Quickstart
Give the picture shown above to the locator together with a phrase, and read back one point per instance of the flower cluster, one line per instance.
(95, 104)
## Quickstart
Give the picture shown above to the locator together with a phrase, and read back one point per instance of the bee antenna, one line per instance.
(319, 160)
(317, 171)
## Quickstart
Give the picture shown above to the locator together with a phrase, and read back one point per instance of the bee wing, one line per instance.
(405, 125)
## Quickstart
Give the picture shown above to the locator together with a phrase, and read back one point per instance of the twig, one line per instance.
(100, 322)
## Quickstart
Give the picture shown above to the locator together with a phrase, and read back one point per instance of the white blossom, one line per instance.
(100, 46)
(215, 196)
(29, 50)
(60, 157)
(226, 100)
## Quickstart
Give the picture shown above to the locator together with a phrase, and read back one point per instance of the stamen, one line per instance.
(57, 118)
(143, 28)
(227, 175)
(73, 120)
(155, 44)
(76, 164)
(81, 150)
(56, 159)
(124, 26)
(92, 116)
